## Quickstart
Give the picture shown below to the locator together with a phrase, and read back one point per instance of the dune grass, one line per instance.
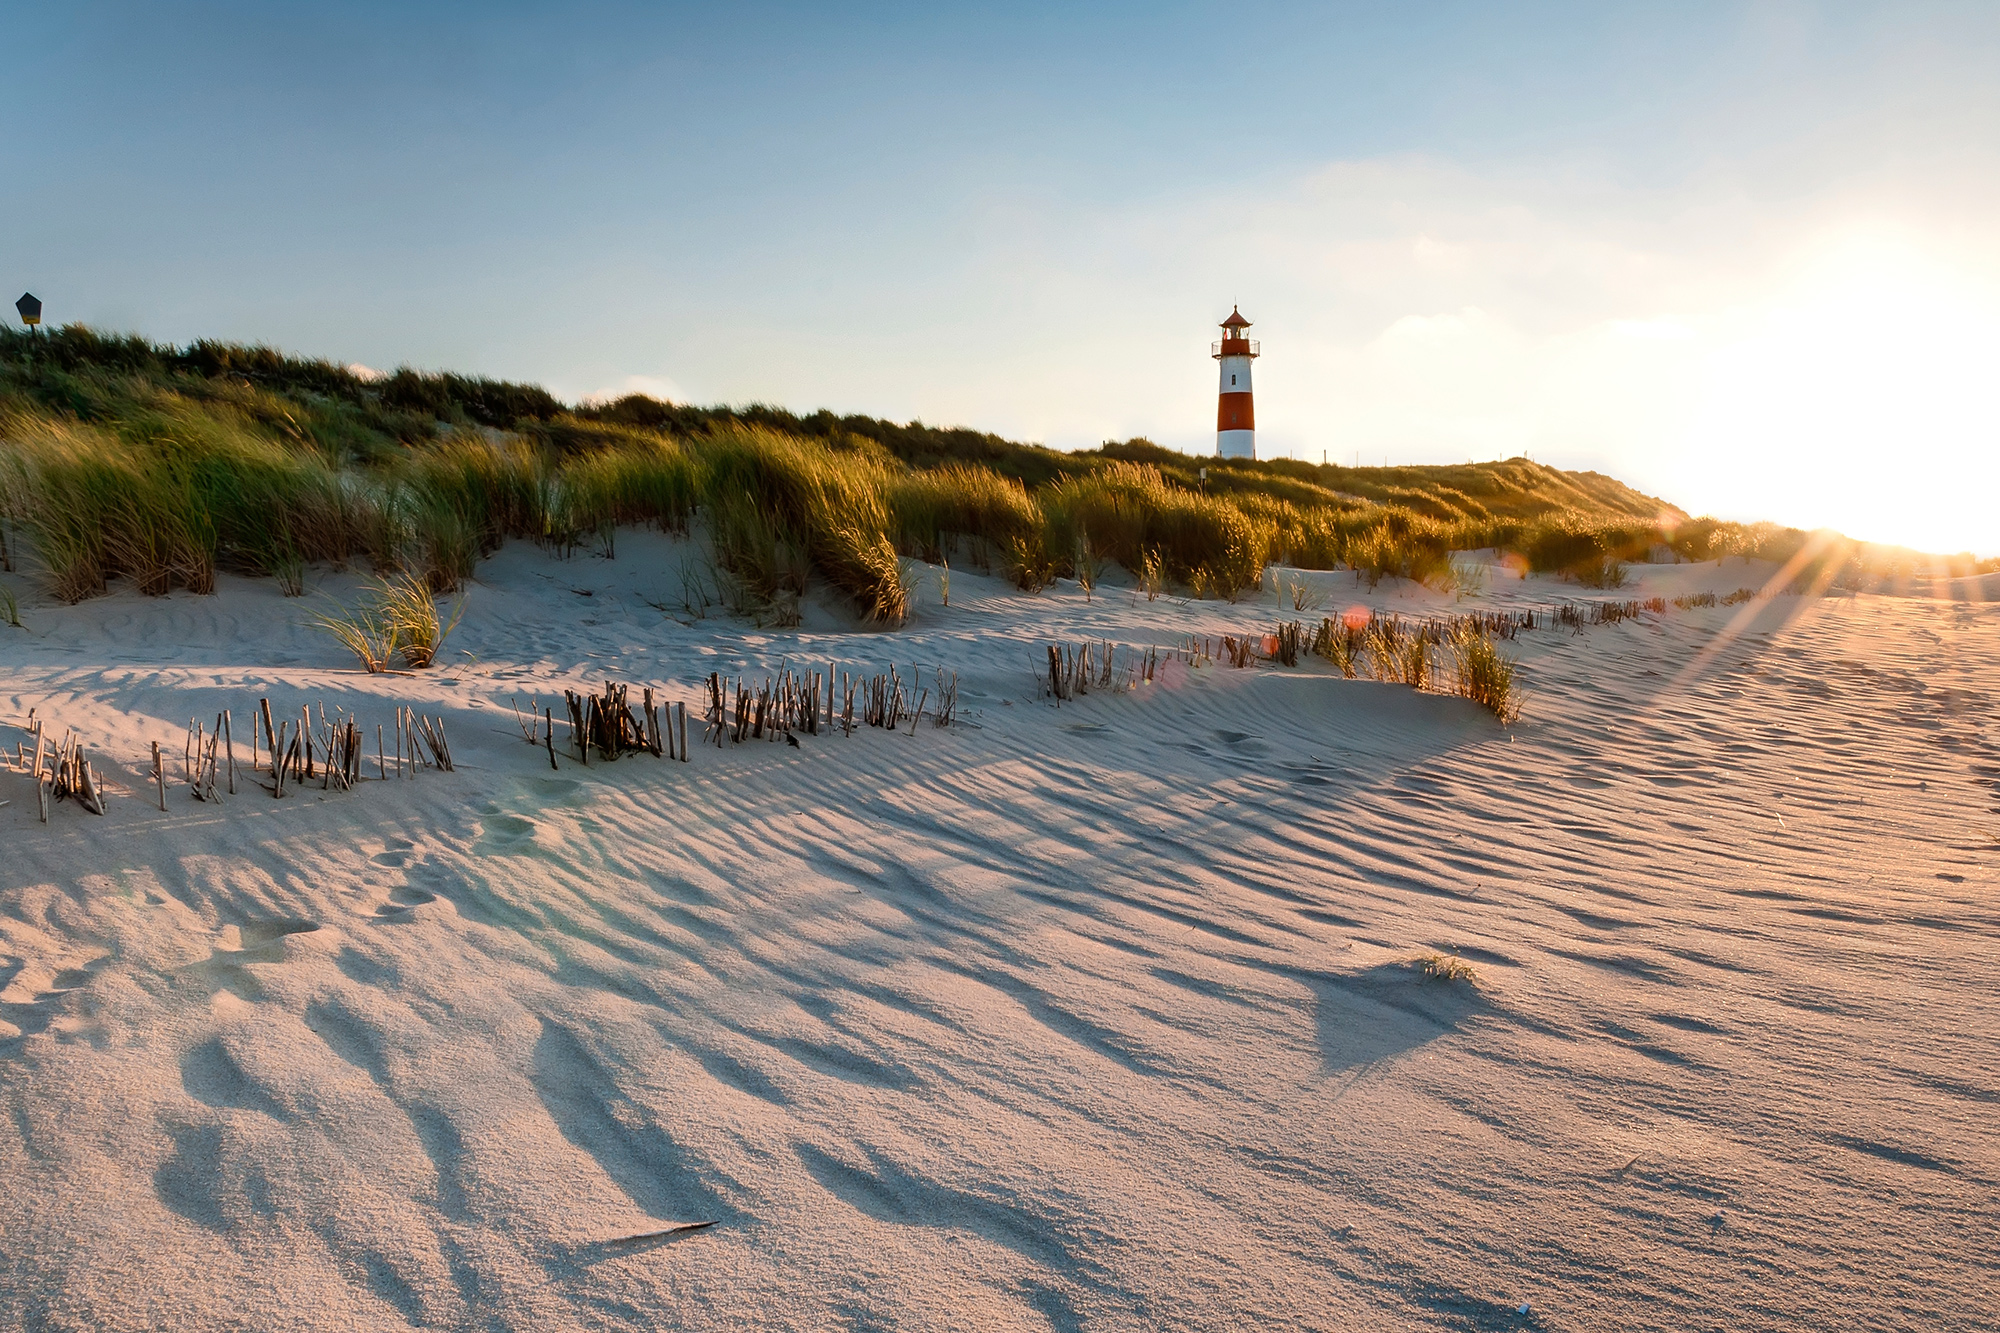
(120, 459)
(395, 617)
(364, 631)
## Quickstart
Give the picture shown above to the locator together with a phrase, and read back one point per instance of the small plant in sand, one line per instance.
(364, 631)
(10, 609)
(1443, 967)
(1467, 579)
(1152, 574)
(1339, 641)
(406, 603)
(398, 615)
(1303, 594)
(1483, 674)
(1089, 567)
(1601, 572)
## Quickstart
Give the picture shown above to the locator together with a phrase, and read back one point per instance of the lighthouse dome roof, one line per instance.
(1235, 320)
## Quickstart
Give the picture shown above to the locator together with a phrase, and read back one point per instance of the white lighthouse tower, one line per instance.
(1235, 418)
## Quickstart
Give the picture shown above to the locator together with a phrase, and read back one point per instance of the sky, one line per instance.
(1741, 256)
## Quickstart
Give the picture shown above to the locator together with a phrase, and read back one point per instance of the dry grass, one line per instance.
(407, 605)
(364, 631)
(397, 616)
(1481, 673)
(1443, 967)
(123, 460)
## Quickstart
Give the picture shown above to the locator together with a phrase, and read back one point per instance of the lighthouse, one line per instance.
(1235, 420)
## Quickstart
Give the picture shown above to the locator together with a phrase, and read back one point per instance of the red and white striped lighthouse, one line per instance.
(1235, 418)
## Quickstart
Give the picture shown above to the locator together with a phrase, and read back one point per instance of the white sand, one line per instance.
(1091, 1017)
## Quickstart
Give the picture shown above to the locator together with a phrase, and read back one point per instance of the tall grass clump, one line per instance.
(366, 631)
(1126, 512)
(97, 511)
(1482, 673)
(829, 507)
(396, 616)
(651, 482)
(406, 604)
(928, 509)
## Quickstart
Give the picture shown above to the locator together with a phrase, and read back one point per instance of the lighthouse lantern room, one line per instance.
(1235, 419)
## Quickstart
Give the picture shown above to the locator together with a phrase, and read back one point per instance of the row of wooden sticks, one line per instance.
(792, 703)
(293, 754)
(1077, 671)
(610, 723)
(61, 772)
(290, 753)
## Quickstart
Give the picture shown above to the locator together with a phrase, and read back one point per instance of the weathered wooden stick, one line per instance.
(381, 762)
(549, 738)
(160, 776)
(229, 748)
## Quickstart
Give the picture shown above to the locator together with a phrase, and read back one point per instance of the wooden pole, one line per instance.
(381, 763)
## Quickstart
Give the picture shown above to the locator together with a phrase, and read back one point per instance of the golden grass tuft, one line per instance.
(1443, 967)
(397, 616)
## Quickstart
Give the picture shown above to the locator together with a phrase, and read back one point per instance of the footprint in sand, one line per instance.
(395, 853)
(256, 942)
(505, 833)
(403, 901)
(19, 1019)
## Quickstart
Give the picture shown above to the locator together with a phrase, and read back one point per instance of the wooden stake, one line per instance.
(229, 748)
(381, 764)
(549, 737)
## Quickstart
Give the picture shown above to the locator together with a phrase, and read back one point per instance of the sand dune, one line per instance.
(1093, 1016)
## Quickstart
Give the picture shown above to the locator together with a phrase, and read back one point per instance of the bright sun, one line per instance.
(1863, 400)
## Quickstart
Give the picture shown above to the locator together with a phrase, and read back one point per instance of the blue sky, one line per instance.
(1739, 255)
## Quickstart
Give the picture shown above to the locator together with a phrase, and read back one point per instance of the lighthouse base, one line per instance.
(1236, 444)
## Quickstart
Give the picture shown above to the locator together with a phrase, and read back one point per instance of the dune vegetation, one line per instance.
(121, 459)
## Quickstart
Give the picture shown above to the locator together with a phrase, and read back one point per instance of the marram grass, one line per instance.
(123, 460)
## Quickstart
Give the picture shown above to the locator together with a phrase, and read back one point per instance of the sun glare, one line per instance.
(1861, 400)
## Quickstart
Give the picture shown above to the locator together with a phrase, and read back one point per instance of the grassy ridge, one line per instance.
(123, 459)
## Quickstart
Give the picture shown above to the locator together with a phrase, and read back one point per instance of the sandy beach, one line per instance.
(1092, 1016)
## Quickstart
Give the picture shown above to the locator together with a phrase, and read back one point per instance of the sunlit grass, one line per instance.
(162, 466)
(1443, 967)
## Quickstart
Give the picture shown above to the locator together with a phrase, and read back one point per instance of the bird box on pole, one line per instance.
(31, 309)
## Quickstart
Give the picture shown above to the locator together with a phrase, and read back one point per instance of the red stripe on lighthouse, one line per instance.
(1234, 412)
